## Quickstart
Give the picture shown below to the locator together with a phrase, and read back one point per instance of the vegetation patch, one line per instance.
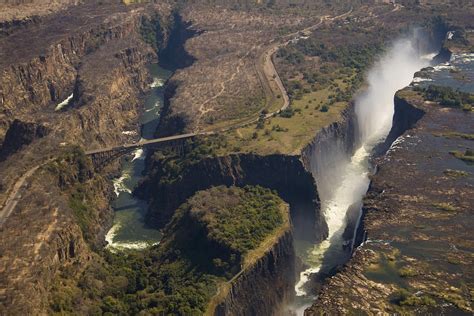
(152, 31)
(447, 96)
(76, 178)
(467, 155)
(404, 298)
(289, 132)
(455, 135)
(406, 272)
(444, 206)
(456, 297)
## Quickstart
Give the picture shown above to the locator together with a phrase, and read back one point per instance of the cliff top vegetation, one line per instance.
(447, 96)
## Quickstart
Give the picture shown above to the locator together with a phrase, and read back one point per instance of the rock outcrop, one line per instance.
(404, 118)
(61, 215)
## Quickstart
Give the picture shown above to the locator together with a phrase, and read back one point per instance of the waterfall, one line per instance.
(342, 171)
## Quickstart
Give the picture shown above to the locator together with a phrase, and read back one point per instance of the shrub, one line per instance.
(407, 272)
(287, 113)
(447, 96)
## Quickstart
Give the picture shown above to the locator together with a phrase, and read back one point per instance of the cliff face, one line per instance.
(266, 286)
(331, 145)
(405, 117)
(343, 132)
(35, 80)
(49, 79)
(97, 54)
(100, 62)
(285, 174)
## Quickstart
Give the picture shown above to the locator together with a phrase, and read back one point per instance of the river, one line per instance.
(129, 230)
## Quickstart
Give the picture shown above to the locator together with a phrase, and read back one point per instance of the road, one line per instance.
(15, 195)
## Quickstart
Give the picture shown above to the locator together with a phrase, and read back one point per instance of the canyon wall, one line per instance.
(265, 287)
(405, 117)
(101, 63)
(36, 80)
(64, 209)
(405, 263)
(332, 145)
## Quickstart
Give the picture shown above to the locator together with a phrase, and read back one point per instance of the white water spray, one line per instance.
(343, 179)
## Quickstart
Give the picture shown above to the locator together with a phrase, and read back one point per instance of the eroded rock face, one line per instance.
(38, 79)
(98, 53)
(45, 235)
(94, 53)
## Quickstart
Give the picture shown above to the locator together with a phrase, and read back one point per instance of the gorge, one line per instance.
(322, 154)
(338, 159)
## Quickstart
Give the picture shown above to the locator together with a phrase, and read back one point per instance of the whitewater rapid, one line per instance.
(342, 178)
(129, 229)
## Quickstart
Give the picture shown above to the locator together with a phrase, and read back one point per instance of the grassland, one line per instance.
(287, 135)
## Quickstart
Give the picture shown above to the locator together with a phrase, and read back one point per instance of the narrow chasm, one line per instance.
(130, 229)
(339, 158)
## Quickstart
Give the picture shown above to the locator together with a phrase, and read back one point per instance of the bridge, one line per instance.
(103, 156)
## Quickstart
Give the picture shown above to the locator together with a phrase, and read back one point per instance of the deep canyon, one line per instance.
(327, 205)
